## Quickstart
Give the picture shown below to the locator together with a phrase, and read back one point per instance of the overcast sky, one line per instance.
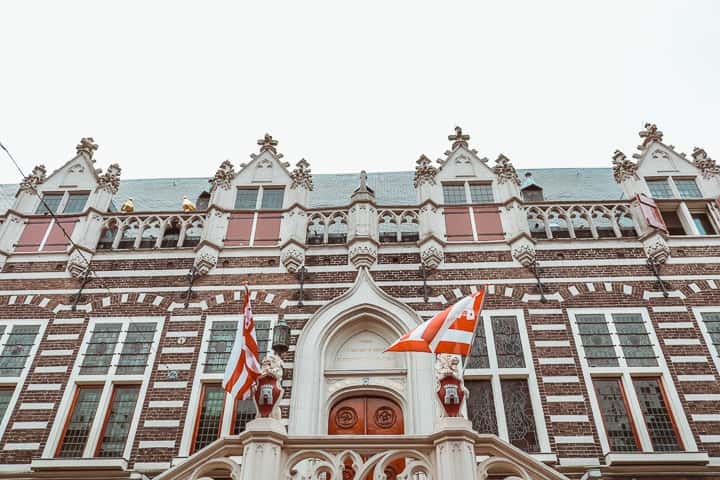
(173, 89)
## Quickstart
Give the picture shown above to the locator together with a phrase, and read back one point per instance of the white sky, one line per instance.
(173, 89)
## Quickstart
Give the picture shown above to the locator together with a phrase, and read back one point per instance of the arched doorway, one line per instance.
(368, 415)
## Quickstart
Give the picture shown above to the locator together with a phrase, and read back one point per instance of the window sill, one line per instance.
(42, 464)
(651, 458)
(547, 458)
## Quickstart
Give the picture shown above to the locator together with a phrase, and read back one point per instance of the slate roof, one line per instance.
(391, 188)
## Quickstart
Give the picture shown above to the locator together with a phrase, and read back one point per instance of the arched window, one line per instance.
(108, 236)
(150, 234)
(171, 235)
(316, 230)
(129, 234)
(193, 233)
(337, 230)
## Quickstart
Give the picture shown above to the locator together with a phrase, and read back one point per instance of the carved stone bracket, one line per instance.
(110, 180)
(78, 262)
(623, 168)
(525, 254)
(656, 248)
(505, 170)
(292, 258)
(301, 176)
(432, 256)
(363, 254)
(706, 165)
(424, 172)
(206, 259)
(224, 176)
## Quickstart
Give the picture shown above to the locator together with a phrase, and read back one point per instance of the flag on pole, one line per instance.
(450, 331)
(243, 367)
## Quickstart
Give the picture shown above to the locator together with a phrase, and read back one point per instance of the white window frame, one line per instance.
(19, 381)
(697, 313)
(201, 378)
(495, 374)
(109, 380)
(63, 201)
(626, 374)
(258, 203)
(468, 200)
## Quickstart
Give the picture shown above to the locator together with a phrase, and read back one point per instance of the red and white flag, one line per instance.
(450, 331)
(243, 367)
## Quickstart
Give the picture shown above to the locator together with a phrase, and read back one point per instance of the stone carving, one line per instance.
(459, 139)
(77, 263)
(706, 165)
(206, 260)
(128, 206)
(268, 144)
(346, 418)
(525, 254)
(37, 177)
(267, 390)
(649, 135)
(293, 259)
(505, 170)
(110, 180)
(385, 417)
(658, 251)
(432, 257)
(301, 176)
(623, 168)
(363, 255)
(424, 172)
(449, 385)
(87, 146)
(224, 176)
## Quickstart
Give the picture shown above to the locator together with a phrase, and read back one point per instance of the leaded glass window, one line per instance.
(6, 394)
(101, 349)
(76, 203)
(52, 200)
(634, 340)
(16, 350)
(136, 348)
(519, 414)
(454, 194)
(75, 437)
(481, 407)
(479, 354)
(117, 425)
(246, 199)
(657, 417)
(272, 198)
(481, 193)
(596, 340)
(222, 336)
(712, 324)
(687, 187)
(244, 412)
(508, 345)
(660, 188)
(210, 415)
(618, 428)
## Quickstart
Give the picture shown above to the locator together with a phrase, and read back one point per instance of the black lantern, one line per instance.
(281, 337)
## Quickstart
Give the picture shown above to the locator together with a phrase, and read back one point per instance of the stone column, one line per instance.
(455, 448)
(262, 449)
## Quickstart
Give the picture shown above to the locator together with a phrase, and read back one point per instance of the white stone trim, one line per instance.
(551, 343)
(564, 398)
(144, 444)
(21, 446)
(706, 417)
(56, 353)
(37, 406)
(556, 361)
(545, 327)
(696, 378)
(688, 359)
(569, 418)
(702, 397)
(52, 369)
(675, 325)
(698, 314)
(161, 423)
(710, 438)
(545, 311)
(579, 462)
(44, 387)
(681, 341)
(63, 336)
(165, 404)
(170, 385)
(182, 350)
(190, 333)
(561, 379)
(174, 366)
(676, 309)
(29, 425)
(151, 466)
(574, 439)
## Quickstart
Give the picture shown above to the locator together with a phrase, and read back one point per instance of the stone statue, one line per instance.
(449, 385)
(267, 390)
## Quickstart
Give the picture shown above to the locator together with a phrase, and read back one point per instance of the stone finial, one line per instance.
(623, 168)
(87, 146)
(302, 176)
(649, 135)
(268, 144)
(34, 179)
(110, 180)
(363, 188)
(188, 205)
(424, 172)
(459, 139)
(505, 171)
(224, 176)
(706, 165)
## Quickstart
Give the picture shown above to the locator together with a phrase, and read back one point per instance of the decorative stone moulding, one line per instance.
(623, 168)
(523, 250)
(302, 176)
(110, 180)
(706, 165)
(206, 259)
(649, 135)
(87, 147)
(432, 254)
(505, 170)
(36, 178)
(656, 248)
(363, 253)
(78, 263)
(224, 176)
(292, 258)
(424, 172)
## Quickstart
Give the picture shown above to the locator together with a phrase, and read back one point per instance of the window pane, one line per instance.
(53, 202)
(100, 349)
(5, 396)
(703, 224)
(81, 418)
(17, 349)
(659, 423)
(481, 407)
(454, 194)
(479, 354)
(136, 348)
(519, 415)
(211, 410)
(634, 339)
(244, 412)
(272, 198)
(659, 188)
(481, 193)
(76, 203)
(117, 426)
(615, 417)
(508, 345)
(246, 199)
(712, 323)
(262, 334)
(687, 188)
(596, 340)
(673, 223)
(222, 336)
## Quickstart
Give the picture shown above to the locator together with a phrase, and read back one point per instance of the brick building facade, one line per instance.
(597, 354)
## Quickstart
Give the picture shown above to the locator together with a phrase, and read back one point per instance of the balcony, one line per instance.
(587, 220)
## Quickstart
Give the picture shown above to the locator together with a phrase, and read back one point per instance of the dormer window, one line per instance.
(467, 192)
(660, 188)
(454, 194)
(272, 198)
(687, 188)
(246, 198)
(63, 202)
(265, 198)
(673, 187)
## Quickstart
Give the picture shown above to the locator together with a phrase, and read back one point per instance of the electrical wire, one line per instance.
(88, 267)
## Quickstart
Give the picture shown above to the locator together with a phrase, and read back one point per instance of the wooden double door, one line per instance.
(368, 415)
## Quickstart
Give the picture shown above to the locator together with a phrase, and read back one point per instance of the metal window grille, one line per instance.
(657, 417)
(244, 413)
(211, 413)
(117, 424)
(76, 433)
(634, 340)
(136, 348)
(597, 341)
(101, 348)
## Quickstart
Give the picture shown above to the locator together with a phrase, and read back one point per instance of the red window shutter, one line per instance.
(267, 229)
(57, 241)
(457, 224)
(487, 223)
(651, 212)
(239, 229)
(33, 234)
